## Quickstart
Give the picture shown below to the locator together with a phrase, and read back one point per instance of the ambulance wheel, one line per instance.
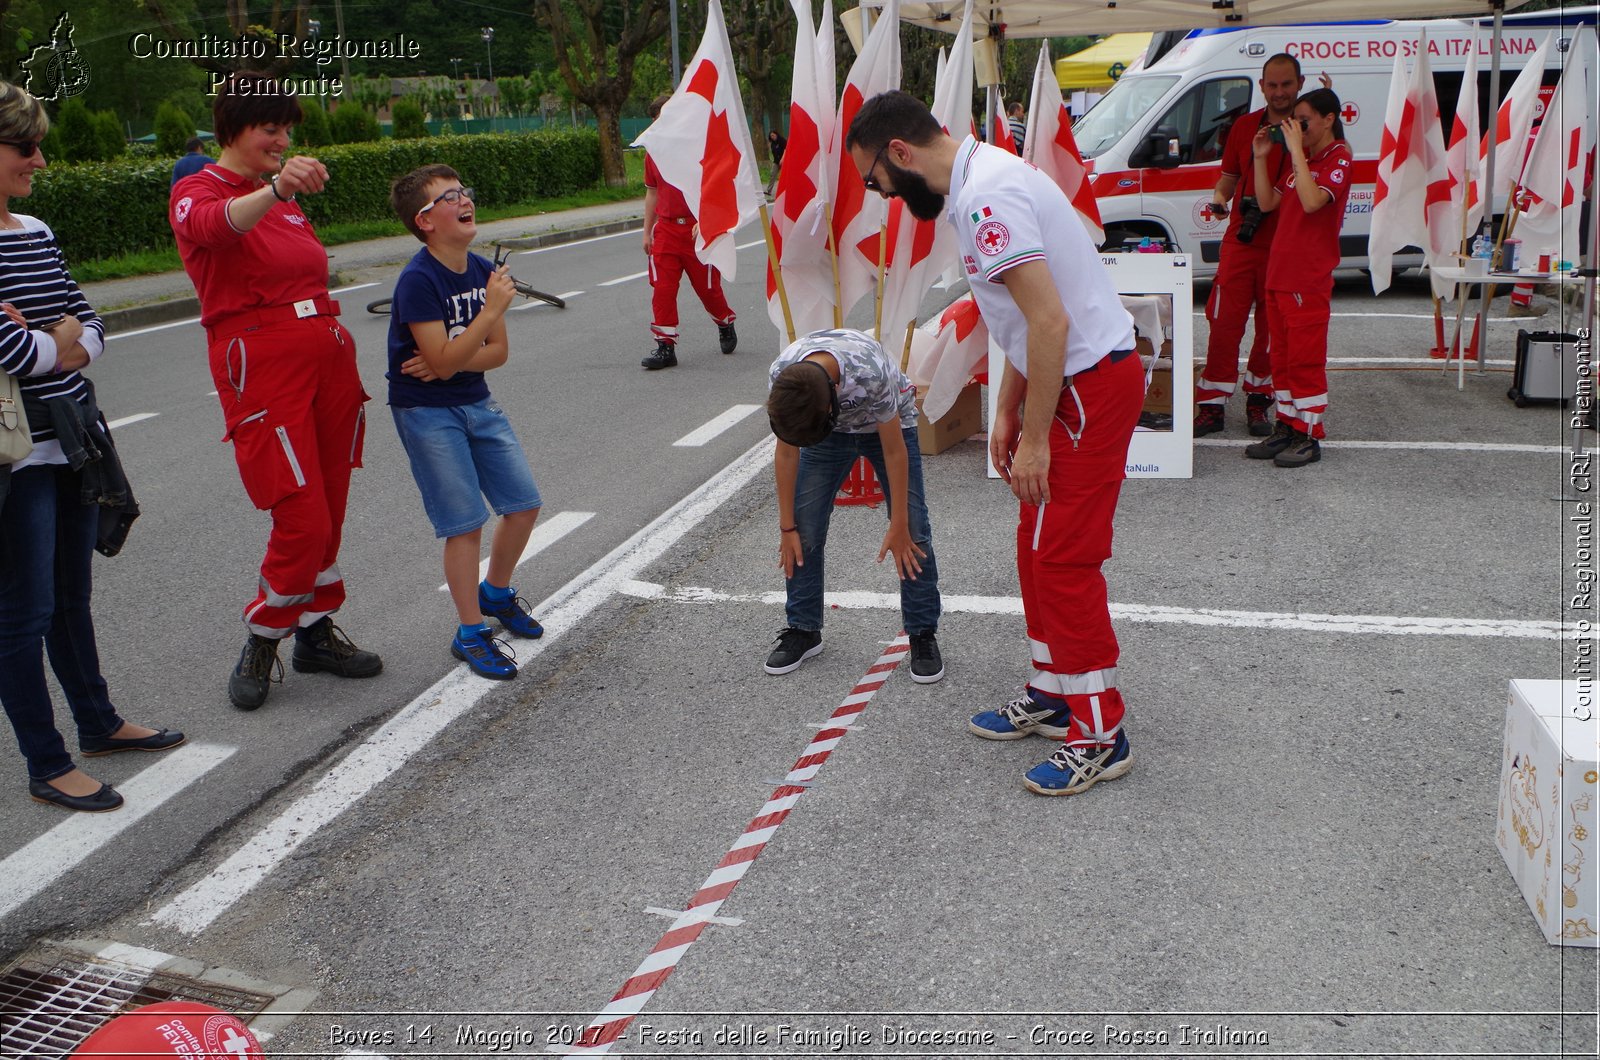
(1517, 398)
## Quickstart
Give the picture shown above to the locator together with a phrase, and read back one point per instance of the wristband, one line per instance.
(788, 529)
(273, 181)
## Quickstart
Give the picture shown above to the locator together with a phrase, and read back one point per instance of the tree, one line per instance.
(173, 129)
(409, 123)
(757, 30)
(596, 43)
(513, 92)
(285, 20)
(313, 130)
(110, 141)
(353, 124)
(76, 124)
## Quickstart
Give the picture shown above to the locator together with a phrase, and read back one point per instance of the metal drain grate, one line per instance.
(47, 1010)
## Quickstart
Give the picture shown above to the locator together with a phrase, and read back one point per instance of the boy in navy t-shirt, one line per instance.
(447, 329)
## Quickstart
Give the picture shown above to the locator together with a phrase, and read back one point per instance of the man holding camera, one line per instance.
(1241, 280)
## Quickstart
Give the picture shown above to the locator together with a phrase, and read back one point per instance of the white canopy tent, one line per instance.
(1063, 18)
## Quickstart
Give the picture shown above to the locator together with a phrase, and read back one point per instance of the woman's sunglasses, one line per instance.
(25, 148)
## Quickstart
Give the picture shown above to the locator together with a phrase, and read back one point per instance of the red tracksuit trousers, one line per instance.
(1062, 544)
(672, 257)
(1299, 324)
(294, 407)
(1239, 288)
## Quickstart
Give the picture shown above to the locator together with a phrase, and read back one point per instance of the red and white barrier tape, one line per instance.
(606, 1028)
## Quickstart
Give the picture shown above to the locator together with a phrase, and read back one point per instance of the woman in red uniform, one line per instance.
(285, 371)
(1310, 200)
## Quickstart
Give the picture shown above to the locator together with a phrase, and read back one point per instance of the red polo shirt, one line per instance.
(1239, 161)
(1306, 249)
(669, 200)
(278, 262)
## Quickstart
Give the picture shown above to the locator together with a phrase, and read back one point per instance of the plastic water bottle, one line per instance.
(1480, 247)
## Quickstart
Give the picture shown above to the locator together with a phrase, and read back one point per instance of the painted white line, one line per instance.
(623, 279)
(1432, 362)
(386, 750)
(581, 242)
(154, 327)
(747, 246)
(1193, 616)
(544, 535)
(127, 420)
(712, 428)
(47, 858)
(673, 914)
(1462, 447)
(534, 303)
(211, 393)
(354, 287)
(1449, 317)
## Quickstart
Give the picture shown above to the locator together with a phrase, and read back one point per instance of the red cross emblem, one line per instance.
(1349, 113)
(992, 237)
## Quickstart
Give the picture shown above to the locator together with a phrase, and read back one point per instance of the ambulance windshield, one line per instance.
(1118, 111)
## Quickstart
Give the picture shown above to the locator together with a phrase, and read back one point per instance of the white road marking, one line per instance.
(712, 428)
(1449, 316)
(581, 242)
(354, 287)
(623, 279)
(545, 534)
(386, 750)
(137, 418)
(746, 246)
(196, 320)
(1434, 362)
(534, 303)
(1192, 616)
(1464, 447)
(47, 858)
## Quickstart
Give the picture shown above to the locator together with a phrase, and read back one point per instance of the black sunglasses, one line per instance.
(870, 181)
(25, 148)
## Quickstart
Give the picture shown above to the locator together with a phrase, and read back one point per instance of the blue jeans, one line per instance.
(461, 454)
(823, 469)
(46, 543)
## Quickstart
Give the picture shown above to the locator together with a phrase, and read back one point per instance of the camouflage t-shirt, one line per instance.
(871, 389)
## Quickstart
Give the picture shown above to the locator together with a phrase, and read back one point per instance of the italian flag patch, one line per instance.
(981, 214)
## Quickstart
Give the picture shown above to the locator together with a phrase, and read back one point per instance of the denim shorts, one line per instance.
(461, 454)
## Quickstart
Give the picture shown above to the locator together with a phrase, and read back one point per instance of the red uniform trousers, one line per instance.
(671, 258)
(1299, 324)
(293, 403)
(1240, 286)
(1062, 544)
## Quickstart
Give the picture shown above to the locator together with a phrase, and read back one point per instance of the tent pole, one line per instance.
(1488, 177)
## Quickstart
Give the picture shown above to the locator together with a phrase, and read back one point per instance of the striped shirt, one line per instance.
(34, 278)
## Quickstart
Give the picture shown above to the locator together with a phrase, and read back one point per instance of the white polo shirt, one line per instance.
(1006, 212)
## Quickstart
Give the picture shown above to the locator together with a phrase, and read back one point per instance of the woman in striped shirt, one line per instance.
(47, 531)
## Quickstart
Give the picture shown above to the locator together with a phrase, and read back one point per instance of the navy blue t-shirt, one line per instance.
(428, 291)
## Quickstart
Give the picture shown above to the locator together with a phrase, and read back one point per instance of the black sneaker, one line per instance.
(666, 356)
(727, 337)
(927, 665)
(322, 646)
(1302, 451)
(258, 668)
(794, 647)
(1207, 420)
(1258, 414)
(1282, 437)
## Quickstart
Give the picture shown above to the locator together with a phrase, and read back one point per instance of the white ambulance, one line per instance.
(1185, 101)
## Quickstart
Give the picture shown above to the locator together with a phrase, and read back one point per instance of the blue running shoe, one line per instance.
(1023, 716)
(512, 612)
(487, 657)
(1073, 769)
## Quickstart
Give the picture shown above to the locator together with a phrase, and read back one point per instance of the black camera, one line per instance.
(1249, 219)
(1275, 134)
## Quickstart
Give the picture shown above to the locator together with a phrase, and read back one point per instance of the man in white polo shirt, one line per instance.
(1067, 408)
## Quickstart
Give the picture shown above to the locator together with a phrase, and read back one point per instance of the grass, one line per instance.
(146, 262)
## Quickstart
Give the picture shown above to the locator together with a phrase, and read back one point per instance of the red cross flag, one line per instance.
(1411, 204)
(1461, 150)
(1002, 133)
(1555, 170)
(1514, 121)
(701, 144)
(1049, 146)
(799, 225)
(960, 348)
(857, 216)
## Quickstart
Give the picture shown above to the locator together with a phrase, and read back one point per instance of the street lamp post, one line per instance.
(488, 44)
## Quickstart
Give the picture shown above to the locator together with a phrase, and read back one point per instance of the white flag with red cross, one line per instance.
(1461, 149)
(961, 346)
(799, 225)
(1049, 145)
(1554, 175)
(857, 215)
(701, 144)
(1513, 122)
(1411, 200)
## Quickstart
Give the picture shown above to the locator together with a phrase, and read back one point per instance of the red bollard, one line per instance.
(861, 487)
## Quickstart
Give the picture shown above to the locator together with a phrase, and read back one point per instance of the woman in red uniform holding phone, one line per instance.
(285, 371)
(1310, 199)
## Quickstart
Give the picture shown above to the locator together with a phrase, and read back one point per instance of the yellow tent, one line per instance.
(1101, 63)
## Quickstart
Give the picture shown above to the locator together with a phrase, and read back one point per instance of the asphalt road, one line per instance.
(1316, 663)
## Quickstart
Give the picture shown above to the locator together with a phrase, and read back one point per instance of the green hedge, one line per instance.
(100, 210)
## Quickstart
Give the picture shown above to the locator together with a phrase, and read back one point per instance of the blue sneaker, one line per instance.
(1023, 716)
(512, 612)
(1073, 769)
(487, 657)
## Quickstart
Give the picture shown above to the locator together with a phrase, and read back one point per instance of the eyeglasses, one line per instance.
(870, 181)
(25, 148)
(453, 196)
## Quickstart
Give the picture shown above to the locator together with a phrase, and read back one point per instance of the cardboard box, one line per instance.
(964, 419)
(1547, 820)
(1158, 398)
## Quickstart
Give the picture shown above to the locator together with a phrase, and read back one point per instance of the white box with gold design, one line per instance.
(1547, 816)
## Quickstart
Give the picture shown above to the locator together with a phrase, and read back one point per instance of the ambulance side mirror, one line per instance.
(1161, 149)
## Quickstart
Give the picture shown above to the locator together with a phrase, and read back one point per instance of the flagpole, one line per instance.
(905, 354)
(833, 258)
(883, 258)
(777, 272)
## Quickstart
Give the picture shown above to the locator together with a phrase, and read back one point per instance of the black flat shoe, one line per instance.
(101, 801)
(106, 745)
